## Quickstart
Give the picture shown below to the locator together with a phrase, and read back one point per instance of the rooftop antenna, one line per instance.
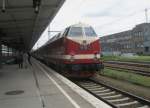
(146, 15)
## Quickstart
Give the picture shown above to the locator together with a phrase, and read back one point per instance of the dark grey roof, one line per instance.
(128, 32)
(20, 26)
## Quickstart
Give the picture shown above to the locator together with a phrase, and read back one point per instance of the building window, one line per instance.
(146, 49)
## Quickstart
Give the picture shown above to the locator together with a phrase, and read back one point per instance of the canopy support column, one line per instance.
(0, 54)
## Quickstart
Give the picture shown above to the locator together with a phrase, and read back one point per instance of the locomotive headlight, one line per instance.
(72, 58)
(99, 55)
(96, 56)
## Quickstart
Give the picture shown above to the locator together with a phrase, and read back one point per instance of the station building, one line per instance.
(136, 41)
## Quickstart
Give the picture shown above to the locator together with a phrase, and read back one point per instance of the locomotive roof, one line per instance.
(80, 25)
(59, 35)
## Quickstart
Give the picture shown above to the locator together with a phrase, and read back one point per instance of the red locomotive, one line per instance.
(75, 52)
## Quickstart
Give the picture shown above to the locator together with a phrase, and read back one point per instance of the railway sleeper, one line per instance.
(119, 100)
(102, 91)
(107, 93)
(145, 106)
(122, 100)
(87, 83)
(97, 89)
(132, 104)
(112, 96)
(91, 86)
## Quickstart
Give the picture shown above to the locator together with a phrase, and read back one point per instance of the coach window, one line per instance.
(89, 31)
(146, 49)
(75, 31)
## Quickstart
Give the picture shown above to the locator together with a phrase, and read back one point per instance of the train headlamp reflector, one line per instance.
(71, 58)
(96, 56)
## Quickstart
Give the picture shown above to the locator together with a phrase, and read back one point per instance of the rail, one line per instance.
(138, 68)
(113, 96)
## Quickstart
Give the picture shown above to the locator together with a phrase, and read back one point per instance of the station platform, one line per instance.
(38, 86)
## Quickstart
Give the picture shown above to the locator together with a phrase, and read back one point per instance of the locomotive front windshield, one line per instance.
(75, 31)
(89, 31)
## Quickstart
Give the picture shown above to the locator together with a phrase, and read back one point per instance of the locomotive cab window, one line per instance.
(75, 31)
(66, 32)
(89, 31)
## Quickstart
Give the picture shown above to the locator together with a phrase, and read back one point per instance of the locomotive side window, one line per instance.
(66, 32)
(89, 31)
(75, 31)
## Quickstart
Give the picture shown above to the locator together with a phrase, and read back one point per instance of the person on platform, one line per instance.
(29, 58)
(25, 59)
(20, 60)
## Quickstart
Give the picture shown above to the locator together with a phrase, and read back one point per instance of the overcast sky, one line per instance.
(106, 16)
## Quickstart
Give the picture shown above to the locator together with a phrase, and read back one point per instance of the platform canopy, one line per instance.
(23, 21)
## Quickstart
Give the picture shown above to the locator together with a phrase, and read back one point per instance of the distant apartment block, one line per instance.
(136, 41)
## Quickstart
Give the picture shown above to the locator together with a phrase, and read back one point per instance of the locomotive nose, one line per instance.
(84, 45)
(84, 42)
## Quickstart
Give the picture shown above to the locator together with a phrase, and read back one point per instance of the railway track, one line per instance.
(112, 96)
(138, 68)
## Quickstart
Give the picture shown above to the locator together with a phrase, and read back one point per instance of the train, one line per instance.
(74, 52)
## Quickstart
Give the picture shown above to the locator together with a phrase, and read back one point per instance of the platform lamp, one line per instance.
(36, 9)
(36, 5)
(3, 6)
